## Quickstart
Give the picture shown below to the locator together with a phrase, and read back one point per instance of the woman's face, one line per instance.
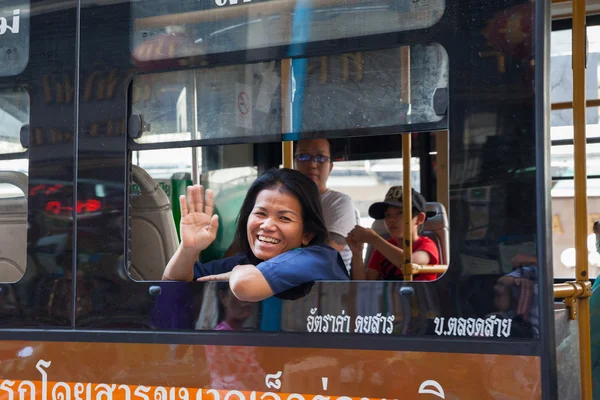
(275, 224)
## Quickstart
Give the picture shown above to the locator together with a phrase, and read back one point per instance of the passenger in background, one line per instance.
(233, 367)
(516, 297)
(387, 258)
(596, 230)
(313, 159)
(232, 311)
(281, 234)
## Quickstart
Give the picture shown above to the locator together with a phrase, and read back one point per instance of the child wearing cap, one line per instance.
(387, 258)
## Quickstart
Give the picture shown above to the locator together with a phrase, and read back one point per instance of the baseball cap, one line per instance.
(394, 198)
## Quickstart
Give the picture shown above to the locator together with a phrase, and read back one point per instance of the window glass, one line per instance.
(155, 218)
(562, 162)
(561, 126)
(563, 227)
(167, 30)
(14, 117)
(14, 113)
(14, 37)
(367, 182)
(340, 92)
(561, 73)
(164, 163)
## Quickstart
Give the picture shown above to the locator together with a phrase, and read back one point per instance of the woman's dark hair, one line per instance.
(294, 183)
(307, 193)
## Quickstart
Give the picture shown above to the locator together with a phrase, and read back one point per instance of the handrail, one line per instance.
(428, 269)
(405, 98)
(580, 178)
(571, 290)
(406, 208)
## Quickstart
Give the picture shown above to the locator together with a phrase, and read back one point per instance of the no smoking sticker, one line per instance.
(243, 103)
(243, 109)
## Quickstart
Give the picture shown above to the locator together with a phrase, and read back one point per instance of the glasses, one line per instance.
(307, 157)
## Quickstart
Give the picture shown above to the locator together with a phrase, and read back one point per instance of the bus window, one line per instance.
(367, 182)
(14, 37)
(14, 117)
(562, 161)
(181, 29)
(561, 77)
(14, 120)
(159, 177)
(340, 92)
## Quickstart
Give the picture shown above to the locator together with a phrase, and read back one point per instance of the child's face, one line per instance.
(393, 222)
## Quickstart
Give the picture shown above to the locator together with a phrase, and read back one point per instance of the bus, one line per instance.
(110, 109)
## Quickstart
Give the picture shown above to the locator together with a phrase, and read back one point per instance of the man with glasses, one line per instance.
(313, 159)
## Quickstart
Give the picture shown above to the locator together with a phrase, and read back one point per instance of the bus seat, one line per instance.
(13, 228)
(435, 228)
(153, 234)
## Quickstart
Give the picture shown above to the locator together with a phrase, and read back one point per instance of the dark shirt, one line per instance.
(288, 270)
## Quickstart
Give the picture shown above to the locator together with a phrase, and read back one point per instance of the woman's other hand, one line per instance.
(218, 277)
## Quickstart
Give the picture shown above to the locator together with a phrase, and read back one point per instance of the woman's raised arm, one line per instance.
(198, 228)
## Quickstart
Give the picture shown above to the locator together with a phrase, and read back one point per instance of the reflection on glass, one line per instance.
(516, 297)
(233, 367)
(167, 30)
(14, 114)
(14, 36)
(339, 92)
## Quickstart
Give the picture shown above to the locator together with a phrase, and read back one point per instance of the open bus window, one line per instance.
(14, 115)
(229, 172)
(14, 37)
(368, 181)
(562, 161)
(340, 92)
(563, 226)
(162, 31)
(159, 177)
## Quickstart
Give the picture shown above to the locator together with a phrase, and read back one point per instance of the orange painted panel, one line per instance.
(87, 371)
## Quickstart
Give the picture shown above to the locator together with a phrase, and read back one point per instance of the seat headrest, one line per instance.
(379, 227)
(434, 223)
(152, 194)
(18, 179)
(435, 208)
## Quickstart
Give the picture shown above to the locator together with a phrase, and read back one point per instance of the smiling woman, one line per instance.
(280, 233)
